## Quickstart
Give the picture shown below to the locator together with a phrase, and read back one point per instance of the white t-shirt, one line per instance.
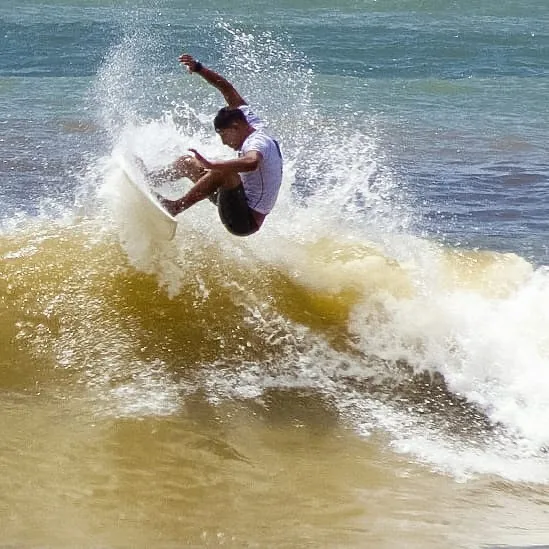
(262, 185)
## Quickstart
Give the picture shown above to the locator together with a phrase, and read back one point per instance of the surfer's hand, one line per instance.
(205, 162)
(189, 61)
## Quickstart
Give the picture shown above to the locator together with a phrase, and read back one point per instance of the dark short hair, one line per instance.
(227, 117)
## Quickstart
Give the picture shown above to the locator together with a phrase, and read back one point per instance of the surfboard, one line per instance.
(144, 204)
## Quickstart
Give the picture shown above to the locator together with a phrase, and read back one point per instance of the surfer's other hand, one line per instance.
(189, 61)
(204, 161)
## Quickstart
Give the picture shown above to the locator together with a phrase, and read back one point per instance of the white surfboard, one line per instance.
(143, 203)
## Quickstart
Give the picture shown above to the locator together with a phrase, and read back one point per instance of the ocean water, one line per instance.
(370, 370)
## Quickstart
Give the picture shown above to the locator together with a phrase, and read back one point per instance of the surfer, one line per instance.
(245, 189)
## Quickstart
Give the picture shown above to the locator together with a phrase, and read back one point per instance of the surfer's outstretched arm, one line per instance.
(232, 97)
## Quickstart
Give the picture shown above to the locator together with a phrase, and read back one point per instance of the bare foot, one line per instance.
(173, 207)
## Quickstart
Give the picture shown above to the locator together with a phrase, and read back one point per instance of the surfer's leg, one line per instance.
(234, 212)
(185, 166)
(188, 166)
(206, 185)
(228, 182)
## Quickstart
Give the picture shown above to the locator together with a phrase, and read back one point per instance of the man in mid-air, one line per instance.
(245, 189)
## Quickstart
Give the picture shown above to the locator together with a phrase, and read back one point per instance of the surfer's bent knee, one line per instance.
(224, 180)
(230, 181)
(188, 166)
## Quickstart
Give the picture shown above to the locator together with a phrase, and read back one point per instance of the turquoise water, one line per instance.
(457, 93)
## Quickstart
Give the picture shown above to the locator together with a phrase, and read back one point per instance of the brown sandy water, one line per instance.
(132, 418)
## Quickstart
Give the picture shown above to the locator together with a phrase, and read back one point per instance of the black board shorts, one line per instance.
(234, 211)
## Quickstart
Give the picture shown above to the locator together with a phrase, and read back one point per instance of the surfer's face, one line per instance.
(232, 136)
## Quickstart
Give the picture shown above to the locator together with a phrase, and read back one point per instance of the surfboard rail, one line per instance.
(145, 203)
